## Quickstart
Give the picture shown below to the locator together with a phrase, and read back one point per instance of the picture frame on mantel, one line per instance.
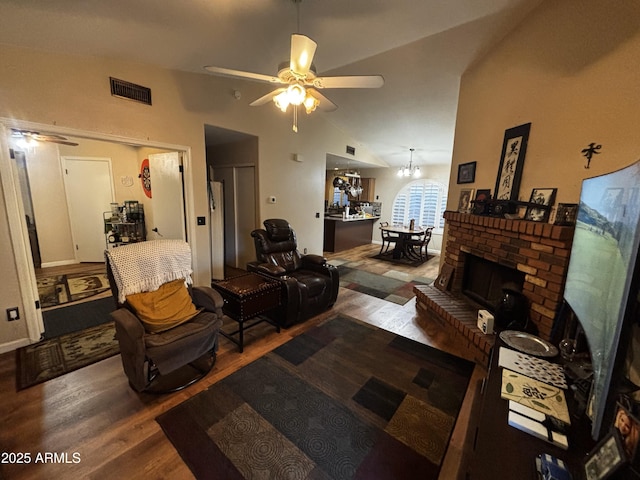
(540, 196)
(514, 149)
(466, 197)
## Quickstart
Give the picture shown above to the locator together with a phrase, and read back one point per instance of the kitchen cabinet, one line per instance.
(368, 190)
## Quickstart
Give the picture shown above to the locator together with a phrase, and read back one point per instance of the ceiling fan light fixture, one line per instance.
(310, 103)
(296, 94)
(26, 142)
(282, 101)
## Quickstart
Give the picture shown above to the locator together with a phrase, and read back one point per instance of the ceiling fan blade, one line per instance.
(62, 142)
(302, 51)
(266, 98)
(39, 137)
(227, 72)
(324, 104)
(355, 81)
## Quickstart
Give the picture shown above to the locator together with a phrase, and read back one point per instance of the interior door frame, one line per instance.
(15, 210)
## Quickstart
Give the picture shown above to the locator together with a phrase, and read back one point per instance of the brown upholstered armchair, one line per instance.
(167, 330)
(309, 284)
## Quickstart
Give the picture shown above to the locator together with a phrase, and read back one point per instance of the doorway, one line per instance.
(239, 206)
(232, 158)
(55, 202)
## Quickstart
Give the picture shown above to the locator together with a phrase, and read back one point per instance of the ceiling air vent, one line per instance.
(351, 150)
(122, 89)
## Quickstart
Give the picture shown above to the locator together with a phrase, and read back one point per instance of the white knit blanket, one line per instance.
(145, 266)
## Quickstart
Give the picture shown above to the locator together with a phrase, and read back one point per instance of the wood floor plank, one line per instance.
(94, 412)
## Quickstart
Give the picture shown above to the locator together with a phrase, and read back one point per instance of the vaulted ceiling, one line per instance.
(421, 47)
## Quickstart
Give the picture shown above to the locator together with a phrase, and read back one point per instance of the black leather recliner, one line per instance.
(309, 284)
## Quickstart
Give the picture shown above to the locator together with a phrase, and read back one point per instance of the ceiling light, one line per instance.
(296, 95)
(409, 170)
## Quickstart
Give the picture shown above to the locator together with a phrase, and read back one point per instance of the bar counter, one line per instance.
(345, 233)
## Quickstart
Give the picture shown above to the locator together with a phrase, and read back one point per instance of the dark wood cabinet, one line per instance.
(504, 452)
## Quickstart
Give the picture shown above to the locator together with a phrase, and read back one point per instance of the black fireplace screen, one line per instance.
(483, 280)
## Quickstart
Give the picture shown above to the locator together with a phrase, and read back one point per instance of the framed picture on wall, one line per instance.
(467, 172)
(540, 196)
(514, 148)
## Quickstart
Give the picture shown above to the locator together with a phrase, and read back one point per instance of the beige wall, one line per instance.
(571, 69)
(73, 92)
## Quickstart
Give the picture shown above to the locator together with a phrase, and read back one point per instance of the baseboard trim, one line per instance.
(59, 263)
(14, 345)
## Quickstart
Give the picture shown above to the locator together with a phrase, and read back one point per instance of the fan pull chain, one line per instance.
(295, 118)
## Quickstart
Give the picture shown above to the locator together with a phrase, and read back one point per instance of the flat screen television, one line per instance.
(602, 279)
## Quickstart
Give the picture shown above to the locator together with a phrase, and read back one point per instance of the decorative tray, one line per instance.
(527, 343)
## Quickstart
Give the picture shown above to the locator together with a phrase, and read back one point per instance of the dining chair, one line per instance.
(416, 247)
(387, 238)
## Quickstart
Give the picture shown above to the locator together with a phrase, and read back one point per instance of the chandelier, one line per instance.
(409, 170)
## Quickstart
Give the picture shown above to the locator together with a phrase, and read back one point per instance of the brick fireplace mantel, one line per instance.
(539, 250)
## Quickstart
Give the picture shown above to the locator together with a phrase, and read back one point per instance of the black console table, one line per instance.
(504, 452)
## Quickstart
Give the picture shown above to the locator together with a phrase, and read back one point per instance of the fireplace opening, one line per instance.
(483, 280)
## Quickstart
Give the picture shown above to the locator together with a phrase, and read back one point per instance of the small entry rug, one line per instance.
(379, 286)
(345, 400)
(76, 317)
(52, 358)
(59, 289)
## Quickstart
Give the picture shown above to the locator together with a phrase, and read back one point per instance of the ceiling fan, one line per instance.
(29, 137)
(299, 81)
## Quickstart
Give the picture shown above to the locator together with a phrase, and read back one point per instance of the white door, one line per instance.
(216, 224)
(167, 201)
(89, 189)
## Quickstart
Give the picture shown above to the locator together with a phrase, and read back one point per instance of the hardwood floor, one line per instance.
(94, 413)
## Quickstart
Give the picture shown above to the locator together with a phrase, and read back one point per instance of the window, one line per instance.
(340, 197)
(423, 200)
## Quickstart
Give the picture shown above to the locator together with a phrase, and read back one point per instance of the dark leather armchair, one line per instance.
(309, 284)
(167, 358)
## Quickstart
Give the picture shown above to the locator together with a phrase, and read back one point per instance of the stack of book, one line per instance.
(535, 391)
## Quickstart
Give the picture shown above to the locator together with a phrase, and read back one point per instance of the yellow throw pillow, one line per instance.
(164, 308)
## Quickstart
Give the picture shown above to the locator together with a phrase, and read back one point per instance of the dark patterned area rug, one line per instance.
(345, 400)
(52, 358)
(59, 289)
(379, 286)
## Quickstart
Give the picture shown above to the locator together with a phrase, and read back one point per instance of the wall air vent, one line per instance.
(131, 91)
(351, 150)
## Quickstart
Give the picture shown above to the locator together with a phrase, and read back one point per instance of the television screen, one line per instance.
(601, 268)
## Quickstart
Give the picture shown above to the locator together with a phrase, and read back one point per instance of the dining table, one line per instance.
(404, 233)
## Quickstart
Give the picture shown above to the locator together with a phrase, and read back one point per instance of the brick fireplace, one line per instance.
(539, 250)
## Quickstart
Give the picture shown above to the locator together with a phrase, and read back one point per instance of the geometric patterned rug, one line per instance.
(52, 358)
(345, 400)
(380, 286)
(59, 289)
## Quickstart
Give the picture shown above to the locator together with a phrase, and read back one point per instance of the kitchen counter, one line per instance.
(343, 234)
(354, 218)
